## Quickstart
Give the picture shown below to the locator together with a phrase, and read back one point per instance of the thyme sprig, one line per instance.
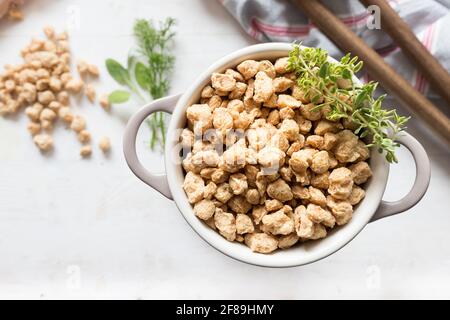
(330, 85)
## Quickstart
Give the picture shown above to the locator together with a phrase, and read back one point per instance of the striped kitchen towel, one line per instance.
(281, 20)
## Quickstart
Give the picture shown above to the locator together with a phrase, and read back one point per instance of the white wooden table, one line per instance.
(72, 228)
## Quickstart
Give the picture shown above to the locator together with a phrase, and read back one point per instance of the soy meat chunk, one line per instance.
(316, 196)
(289, 128)
(236, 75)
(362, 150)
(86, 151)
(271, 103)
(44, 142)
(189, 166)
(286, 173)
(303, 124)
(222, 119)
(238, 91)
(233, 159)
(238, 183)
(261, 242)
(298, 94)
(288, 241)
(193, 186)
(341, 183)
(209, 190)
(263, 87)
(253, 196)
(361, 172)
(280, 190)
(248, 68)
(281, 84)
(258, 137)
(345, 149)
(223, 192)
(214, 102)
(187, 138)
(200, 116)
(223, 82)
(296, 146)
(278, 223)
(204, 209)
(219, 176)
(301, 160)
(279, 141)
(273, 205)
(271, 157)
(300, 192)
(267, 67)
(304, 226)
(310, 112)
(320, 180)
(258, 213)
(329, 141)
(325, 126)
(281, 65)
(319, 232)
(206, 158)
(320, 162)
(226, 224)
(45, 97)
(332, 160)
(34, 128)
(342, 210)
(273, 117)
(244, 224)
(239, 204)
(317, 214)
(356, 196)
(243, 120)
(207, 92)
(78, 123)
(287, 101)
(314, 141)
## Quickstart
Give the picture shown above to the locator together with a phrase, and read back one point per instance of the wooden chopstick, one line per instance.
(401, 33)
(392, 82)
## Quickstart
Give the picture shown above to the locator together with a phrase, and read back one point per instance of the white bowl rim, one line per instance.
(299, 255)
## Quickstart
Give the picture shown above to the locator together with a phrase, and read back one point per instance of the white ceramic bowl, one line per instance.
(371, 208)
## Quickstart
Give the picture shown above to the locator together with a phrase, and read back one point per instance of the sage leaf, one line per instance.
(117, 71)
(142, 76)
(119, 96)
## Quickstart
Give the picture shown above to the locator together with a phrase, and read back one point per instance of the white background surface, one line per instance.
(72, 228)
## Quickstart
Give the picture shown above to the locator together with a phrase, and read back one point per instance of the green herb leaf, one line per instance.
(360, 98)
(142, 73)
(117, 71)
(318, 79)
(346, 74)
(323, 72)
(119, 96)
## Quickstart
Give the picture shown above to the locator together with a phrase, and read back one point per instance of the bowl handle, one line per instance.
(423, 174)
(156, 181)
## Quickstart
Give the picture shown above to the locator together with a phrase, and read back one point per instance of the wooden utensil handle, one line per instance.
(394, 84)
(401, 33)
